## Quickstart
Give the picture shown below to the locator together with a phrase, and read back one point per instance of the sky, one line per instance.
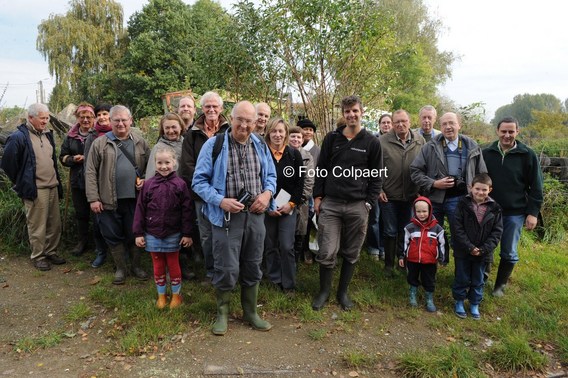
(505, 48)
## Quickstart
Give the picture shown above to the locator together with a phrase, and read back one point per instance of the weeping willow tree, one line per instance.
(82, 48)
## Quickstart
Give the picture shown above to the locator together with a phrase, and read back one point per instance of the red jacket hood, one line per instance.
(431, 222)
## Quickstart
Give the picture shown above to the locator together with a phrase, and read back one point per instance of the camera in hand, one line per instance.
(459, 183)
(244, 197)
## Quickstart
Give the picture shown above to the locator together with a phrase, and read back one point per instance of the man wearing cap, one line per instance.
(30, 162)
(309, 129)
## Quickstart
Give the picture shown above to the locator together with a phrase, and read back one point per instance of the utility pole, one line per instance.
(41, 93)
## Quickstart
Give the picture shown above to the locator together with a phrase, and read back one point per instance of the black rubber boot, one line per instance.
(298, 244)
(249, 299)
(186, 273)
(221, 323)
(136, 270)
(83, 233)
(347, 270)
(390, 255)
(503, 274)
(325, 276)
(119, 256)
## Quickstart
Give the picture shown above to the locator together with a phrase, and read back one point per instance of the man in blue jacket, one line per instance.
(237, 186)
(30, 163)
(517, 187)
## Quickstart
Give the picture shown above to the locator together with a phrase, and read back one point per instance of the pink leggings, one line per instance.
(161, 260)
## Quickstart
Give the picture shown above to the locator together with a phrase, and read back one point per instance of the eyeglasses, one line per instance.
(401, 122)
(244, 121)
(86, 117)
(120, 120)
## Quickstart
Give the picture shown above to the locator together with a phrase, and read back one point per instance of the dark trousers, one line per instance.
(421, 274)
(279, 250)
(116, 225)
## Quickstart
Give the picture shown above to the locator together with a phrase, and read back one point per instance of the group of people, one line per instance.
(242, 192)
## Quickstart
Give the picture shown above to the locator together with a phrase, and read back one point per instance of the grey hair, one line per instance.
(211, 95)
(119, 109)
(35, 109)
(430, 108)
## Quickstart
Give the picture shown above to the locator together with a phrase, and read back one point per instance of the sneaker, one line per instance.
(42, 264)
(56, 260)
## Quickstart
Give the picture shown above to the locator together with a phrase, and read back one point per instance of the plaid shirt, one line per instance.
(243, 169)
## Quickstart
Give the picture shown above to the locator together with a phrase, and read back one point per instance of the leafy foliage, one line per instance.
(81, 48)
(523, 105)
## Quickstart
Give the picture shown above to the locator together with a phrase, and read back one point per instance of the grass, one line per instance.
(532, 313)
(79, 311)
(29, 344)
(515, 354)
(454, 360)
(357, 359)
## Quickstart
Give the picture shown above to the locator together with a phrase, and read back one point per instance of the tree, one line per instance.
(523, 105)
(157, 58)
(418, 65)
(81, 47)
(322, 50)
(546, 125)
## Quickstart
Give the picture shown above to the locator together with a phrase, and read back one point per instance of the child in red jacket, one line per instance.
(423, 249)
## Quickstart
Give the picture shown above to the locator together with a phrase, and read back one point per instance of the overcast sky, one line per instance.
(506, 47)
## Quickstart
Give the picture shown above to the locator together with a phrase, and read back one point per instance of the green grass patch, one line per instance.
(515, 354)
(78, 311)
(454, 360)
(30, 344)
(318, 334)
(357, 359)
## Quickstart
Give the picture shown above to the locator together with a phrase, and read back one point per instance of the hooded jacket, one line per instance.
(423, 241)
(163, 207)
(469, 233)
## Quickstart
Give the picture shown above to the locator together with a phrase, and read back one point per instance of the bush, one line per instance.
(554, 210)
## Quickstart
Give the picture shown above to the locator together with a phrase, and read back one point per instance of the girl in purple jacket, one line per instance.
(163, 222)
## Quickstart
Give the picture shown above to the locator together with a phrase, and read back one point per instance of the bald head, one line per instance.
(243, 121)
(262, 115)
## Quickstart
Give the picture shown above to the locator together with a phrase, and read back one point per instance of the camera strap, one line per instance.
(461, 153)
(124, 151)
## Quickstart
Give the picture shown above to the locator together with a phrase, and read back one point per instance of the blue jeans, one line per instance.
(396, 215)
(512, 227)
(374, 241)
(447, 209)
(468, 282)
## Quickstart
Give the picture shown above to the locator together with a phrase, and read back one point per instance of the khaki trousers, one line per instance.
(44, 223)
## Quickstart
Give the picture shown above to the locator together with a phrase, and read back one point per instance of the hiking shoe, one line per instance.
(56, 260)
(42, 264)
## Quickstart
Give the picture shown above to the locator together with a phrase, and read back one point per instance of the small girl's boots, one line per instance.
(176, 301)
(161, 302)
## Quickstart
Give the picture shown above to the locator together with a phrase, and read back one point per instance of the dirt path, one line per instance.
(35, 304)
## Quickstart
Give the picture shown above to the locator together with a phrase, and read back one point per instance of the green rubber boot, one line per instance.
(249, 297)
(220, 326)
